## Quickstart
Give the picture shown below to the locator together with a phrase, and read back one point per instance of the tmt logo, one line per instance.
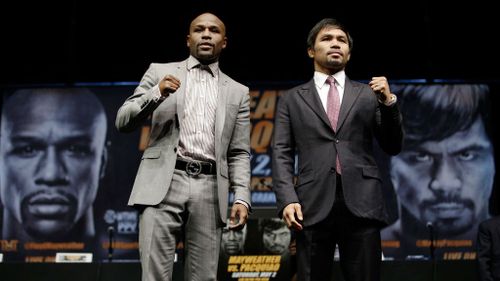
(9, 245)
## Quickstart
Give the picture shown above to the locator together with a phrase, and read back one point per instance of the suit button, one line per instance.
(175, 149)
(336, 140)
(332, 169)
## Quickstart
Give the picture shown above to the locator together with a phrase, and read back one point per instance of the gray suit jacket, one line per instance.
(232, 136)
(302, 126)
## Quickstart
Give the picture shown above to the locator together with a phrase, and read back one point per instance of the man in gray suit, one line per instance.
(199, 149)
(331, 123)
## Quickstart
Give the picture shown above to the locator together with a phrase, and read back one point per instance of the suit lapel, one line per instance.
(351, 94)
(181, 73)
(311, 97)
(220, 112)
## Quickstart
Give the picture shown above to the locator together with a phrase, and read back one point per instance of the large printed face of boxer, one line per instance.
(233, 241)
(275, 236)
(53, 155)
(447, 182)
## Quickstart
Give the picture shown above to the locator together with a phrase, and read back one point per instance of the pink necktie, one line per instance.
(333, 109)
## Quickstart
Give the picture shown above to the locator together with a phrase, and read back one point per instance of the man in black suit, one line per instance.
(488, 249)
(331, 122)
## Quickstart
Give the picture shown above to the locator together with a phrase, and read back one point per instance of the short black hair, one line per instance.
(327, 22)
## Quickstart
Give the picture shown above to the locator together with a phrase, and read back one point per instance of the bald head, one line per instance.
(56, 104)
(52, 156)
(209, 17)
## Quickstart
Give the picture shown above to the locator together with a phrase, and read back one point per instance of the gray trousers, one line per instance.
(191, 203)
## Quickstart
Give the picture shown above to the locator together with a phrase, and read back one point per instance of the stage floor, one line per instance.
(391, 270)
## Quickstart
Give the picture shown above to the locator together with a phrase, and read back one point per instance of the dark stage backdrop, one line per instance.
(453, 217)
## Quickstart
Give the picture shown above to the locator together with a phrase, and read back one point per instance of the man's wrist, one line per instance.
(242, 203)
(157, 96)
(392, 99)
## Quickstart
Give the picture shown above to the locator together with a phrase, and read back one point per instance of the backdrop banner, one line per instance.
(66, 174)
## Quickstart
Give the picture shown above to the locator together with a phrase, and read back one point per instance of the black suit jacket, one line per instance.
(302, 126)
(488, 249)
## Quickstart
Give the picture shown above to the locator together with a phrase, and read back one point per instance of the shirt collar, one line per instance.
(320, 78)
(193, 62)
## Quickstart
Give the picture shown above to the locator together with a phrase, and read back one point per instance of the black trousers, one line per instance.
(358, 240)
